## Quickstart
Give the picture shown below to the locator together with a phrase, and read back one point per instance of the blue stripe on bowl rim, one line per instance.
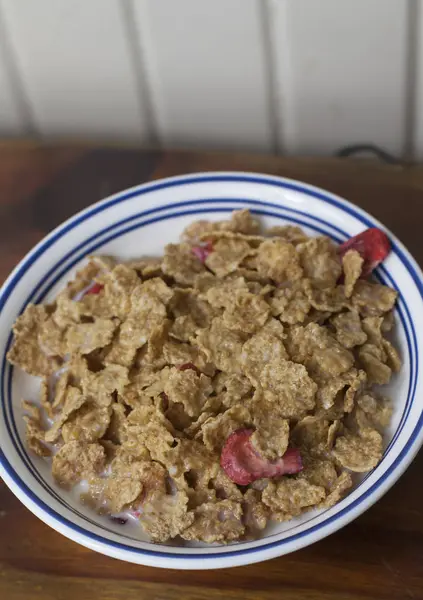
(183, 181)
(91, 244)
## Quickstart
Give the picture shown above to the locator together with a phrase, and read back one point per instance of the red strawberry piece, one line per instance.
(243, 465)
(202, 251)
(373, 245)
(191, 366)
(95, 288)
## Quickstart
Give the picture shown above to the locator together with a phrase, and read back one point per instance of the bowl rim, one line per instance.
(267, 549)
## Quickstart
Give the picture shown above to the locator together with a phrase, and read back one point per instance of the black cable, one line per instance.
(380, 154)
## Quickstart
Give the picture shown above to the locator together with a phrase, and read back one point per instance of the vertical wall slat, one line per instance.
(207, 72)
(11, 119)
(341, 73)
(74, 60)
(417, 82)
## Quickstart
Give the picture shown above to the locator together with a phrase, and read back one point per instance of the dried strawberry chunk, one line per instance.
(189, 365)
(202, 251)
(373, 245)
(95, 288)
(243, 465)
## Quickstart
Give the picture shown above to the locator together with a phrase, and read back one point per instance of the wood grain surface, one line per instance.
(378, 556)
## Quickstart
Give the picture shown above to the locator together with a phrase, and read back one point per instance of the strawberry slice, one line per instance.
(191, 366)
(94, 289)
(202, 251)
(373, 245)
(243, 465)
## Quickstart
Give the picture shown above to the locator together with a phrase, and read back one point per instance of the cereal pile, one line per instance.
(218, 387)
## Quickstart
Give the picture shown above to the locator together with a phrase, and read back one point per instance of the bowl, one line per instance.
(140, 221)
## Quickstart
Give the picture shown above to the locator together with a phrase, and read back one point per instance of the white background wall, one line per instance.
(291, 76)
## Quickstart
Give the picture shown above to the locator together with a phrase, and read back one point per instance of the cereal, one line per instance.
(352, 264)
(290, 302)
(147, 428)
(341, 485)
(319, 472)
(75, 461)
(291, 496)
(115, 429)
(221, 345)
(311, 434)
(241, 221)
(221, 293)
(255, 512)
(181, 264)
(222, 386)
(216, 430)
(192, 461)
(236, 386)
(392, 357)
(124, 484)
(164, 516)
(45, 401)
(60, 387)
(360, 452)
(372, 358)
(26, 351)
(247, 312)
(83, 338)
(115, 299)
(88, 424)
(147, 313)
(330, 300)
(259, 350)
(375, 411)
(279, 261)
(288, 388)
(271, 436)
(349, 329)
(227, 255)
(373, 299)
(320, 262)
(322, 354)
(176, 353)
(101, 385)
(216, 522)
(290, 233)
(350, 381)
(51, 338)
(189, 389)
(34, 431)
(73, 400)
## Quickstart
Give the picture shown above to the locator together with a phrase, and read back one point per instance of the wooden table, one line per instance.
(380, 555)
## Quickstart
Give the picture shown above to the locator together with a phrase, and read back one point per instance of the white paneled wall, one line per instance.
(342, 72)
(207, 71)
(75, 61)
(292, 76)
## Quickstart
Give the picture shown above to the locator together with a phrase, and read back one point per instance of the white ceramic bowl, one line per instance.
(141, 221)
